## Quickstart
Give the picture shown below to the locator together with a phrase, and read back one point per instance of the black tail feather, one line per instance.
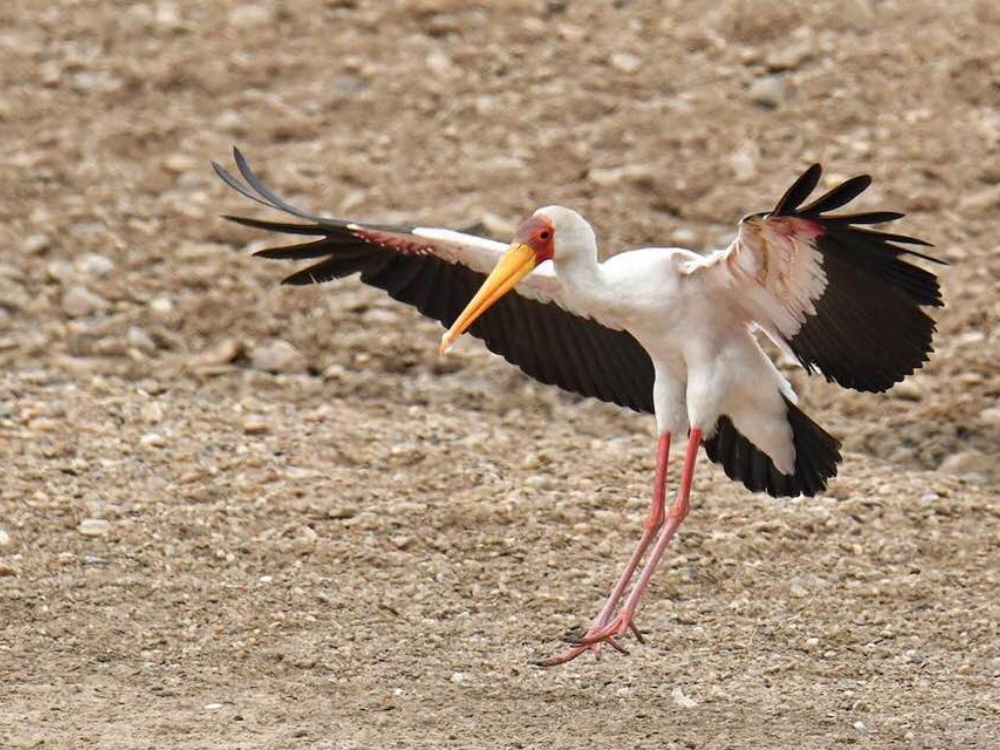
(817, 454)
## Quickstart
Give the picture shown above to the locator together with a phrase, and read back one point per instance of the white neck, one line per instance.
(582, 277)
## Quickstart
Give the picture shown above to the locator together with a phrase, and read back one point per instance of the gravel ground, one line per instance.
(236, 515)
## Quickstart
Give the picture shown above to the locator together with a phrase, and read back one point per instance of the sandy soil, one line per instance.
(370, 547)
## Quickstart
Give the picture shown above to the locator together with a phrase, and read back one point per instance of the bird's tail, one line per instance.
(817, 454)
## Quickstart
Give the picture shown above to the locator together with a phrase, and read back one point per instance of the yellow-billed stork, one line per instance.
(661, 330)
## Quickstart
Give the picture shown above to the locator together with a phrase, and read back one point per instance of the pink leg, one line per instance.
(653, 523)
(678, 512)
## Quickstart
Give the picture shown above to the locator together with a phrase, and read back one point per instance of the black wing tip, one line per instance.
(790, 204)
(799, 191)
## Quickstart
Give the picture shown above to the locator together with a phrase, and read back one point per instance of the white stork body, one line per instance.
(707, 361)
(662, 330)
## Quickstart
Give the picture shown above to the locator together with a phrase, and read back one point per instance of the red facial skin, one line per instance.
(537, 233)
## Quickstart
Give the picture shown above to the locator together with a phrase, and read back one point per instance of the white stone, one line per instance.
(162, 305)
(682, 699)
(93, 527)
(34, 244)
(93, 264)
(153, 440)
(626, 62)
(278, 356)
(769, 91)
(139, 339)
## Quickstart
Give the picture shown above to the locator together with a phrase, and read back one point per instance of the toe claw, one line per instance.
(635, 632)
(616, 646)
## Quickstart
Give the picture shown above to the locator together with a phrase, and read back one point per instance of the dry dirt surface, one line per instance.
(237, 515)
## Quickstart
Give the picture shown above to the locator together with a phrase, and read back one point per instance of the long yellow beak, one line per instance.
(515, 264)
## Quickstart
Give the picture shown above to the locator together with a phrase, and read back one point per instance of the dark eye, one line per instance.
(545, 234)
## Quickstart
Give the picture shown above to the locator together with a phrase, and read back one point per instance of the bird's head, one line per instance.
(551, 233)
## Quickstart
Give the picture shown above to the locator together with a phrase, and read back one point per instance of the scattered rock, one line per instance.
(909, 390)
(251, 16)
(7, 570)
(684, 237)
(222, 353)
(637, 174)
(168, 16)
(94, 82)
(682, 699)
(93, 264)
(94, 527)
(180, 163)
(626, 62)
(348, 85)
(151, 413)
(342, 511)
(43, 424)
(769, 92)
(495, 225)
(744, 161)
(981, 201)
(61, 271)
(990, 415)
(162, 305)
(971, 464)
(35, 244)
(255, 426)
(4, 539)
(278, 356)
(153, 440)
(139, 339)
(80, 302)
(788, 56)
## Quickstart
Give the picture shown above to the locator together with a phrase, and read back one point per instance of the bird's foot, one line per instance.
(619, 626)
(595, 638)
(582, 648)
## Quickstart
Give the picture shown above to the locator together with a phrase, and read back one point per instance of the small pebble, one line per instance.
(342, 511)
(162, 305)
(34, 244)
(278, 356)
(94, 527)
(213, 706)
(251, 16)
(682, 699)
(626, 62)
(79, 302)
(255, 426)
(7, 570)
(768, 92)
(179, 163)
(93, 264)
(139, 339)
(153, 440)
(4, 538)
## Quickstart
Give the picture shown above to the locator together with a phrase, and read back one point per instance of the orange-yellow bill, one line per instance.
(515, 264)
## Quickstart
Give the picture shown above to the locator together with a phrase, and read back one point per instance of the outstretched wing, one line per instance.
(840, 296)
(439, 270)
